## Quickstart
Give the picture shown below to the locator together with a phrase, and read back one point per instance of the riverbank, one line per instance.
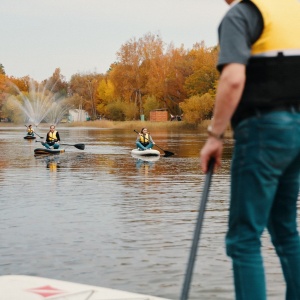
(120, 124)
(152, 126)
(130, 125)
(137, 124)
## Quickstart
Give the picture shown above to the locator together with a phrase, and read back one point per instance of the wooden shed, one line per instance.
(159, 115)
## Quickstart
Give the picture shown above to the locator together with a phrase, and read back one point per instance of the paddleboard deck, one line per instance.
(148, 152)
(48, 151)
(22, 287)
(146, 158)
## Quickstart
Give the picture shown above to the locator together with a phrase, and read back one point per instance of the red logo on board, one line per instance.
(46, 291)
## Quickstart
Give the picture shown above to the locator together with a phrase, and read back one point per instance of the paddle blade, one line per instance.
(168, 153)
(80, 146)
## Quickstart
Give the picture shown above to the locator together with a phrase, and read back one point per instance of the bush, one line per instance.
(131, 111)
(116, 111)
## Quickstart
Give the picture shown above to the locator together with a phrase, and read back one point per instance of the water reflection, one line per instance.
(103, 217)
(52, 162)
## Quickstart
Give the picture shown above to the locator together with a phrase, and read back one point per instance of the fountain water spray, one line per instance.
(41, 104)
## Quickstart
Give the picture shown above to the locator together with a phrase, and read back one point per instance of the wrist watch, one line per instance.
(213, 134)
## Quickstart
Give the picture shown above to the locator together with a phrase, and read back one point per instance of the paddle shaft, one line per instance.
(39, 135)
(193, 253)
(168, 153)
(78, 146)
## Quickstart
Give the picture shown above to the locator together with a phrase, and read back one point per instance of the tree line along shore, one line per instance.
(147, 75)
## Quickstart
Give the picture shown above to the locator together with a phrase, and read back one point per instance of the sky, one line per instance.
(83, 36)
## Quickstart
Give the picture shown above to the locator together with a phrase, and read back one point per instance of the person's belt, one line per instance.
(276, 53)
(264, 110)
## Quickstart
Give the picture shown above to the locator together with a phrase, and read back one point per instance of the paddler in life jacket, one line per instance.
(144, 140)
(52, 139)
(30, 130)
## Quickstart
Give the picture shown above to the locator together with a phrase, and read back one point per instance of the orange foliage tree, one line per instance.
(204, 74)
(83, 92)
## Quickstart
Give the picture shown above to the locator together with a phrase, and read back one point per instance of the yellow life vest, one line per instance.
(30, 130)
(52, 136)
(272, 73)
(281, 27)
(145, 139)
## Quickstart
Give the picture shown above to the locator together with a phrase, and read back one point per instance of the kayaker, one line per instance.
(258, 91)
(30, 130)
(52, 139)
(144, 140)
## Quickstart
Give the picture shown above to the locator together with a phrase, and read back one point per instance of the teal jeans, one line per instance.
(49, 144)
(142, 147)
(264, 191)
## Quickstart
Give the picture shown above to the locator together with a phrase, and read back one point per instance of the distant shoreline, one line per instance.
(130, 125)
(118, 124)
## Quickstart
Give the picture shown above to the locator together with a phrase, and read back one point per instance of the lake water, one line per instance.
(102, 217)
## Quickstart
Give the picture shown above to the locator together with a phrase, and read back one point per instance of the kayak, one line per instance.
(48, 151)
(148, 152)
(29, 137)
(23, 287)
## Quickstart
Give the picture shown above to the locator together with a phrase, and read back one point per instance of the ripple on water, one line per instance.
(101, 217)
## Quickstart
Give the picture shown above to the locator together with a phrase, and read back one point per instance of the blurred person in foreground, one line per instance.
(259, 93)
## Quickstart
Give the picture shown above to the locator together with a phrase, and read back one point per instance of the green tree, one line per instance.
(2, 71)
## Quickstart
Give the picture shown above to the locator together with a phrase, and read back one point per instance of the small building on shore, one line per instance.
(159, 115)
(78, 115)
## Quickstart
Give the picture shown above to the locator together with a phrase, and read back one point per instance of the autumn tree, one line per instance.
(166, 78)
(197, 108)
(130, 74)
(11, 86)
(105, 93)
(57, 83)
(85, 87)
(17, 85)
(204, 73)
(3, 92)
